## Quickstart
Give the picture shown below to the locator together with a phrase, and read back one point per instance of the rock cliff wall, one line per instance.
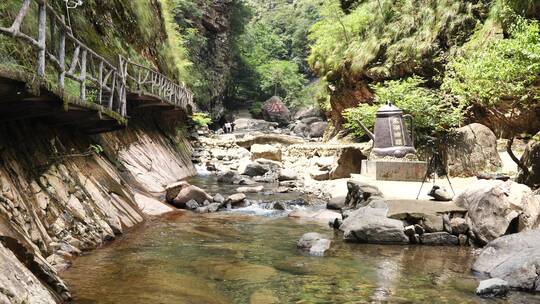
(61, 195)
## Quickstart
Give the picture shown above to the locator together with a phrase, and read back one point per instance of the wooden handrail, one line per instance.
(88, 68)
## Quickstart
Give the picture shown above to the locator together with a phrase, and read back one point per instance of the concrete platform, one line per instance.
(387, 170)
(402, 209)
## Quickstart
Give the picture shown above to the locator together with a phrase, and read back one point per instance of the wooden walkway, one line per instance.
(105, 94)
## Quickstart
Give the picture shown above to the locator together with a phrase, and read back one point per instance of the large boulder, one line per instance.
(370, 225)
(275, 110)
(265, 151)
(317, 129)
(514, 258)
(253, 169)
(180, 193)
(496, 208)
(360, 194)
(531, 159)
(472, 150)
(349, 161)
(307, 112)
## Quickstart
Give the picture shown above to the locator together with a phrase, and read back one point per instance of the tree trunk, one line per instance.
(520, 164)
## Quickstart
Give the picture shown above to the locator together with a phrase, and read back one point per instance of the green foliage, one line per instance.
(503, 70)
(256, 109)
(281, 78)
(201, 119)
(96, 149)
(431, 112)
(273, 50)
(381, 39)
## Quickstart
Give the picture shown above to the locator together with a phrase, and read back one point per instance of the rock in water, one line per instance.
(236, 199)
(472, 150)
(254, 189)
(180, 193)
(493, 288)
(229, 177)
(192, 205)
(370, 225)
(316, 244)
(439, 239)
(275, 110)
(254, 169)
(265, 151)
(497, 207)
(514, 258)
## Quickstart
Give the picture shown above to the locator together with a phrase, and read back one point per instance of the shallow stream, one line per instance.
(239, 258)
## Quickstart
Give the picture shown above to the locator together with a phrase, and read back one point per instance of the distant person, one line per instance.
(227, 128)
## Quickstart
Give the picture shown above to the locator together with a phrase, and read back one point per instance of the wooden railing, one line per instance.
(105, 83)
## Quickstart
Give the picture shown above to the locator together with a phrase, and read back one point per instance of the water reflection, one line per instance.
(226, 258)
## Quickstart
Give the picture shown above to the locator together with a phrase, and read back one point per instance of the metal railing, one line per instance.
(56, 46)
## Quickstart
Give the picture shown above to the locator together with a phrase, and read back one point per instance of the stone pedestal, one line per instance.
(394, 170)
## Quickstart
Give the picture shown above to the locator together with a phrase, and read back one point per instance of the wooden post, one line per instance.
(15, 28)
(83, 74)
(42, 37)
(62, 57)
(111, 98)
(100, 80)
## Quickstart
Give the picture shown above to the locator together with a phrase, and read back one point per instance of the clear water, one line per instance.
(234, 258)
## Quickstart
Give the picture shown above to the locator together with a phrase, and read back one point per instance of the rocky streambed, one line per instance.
(249, 255)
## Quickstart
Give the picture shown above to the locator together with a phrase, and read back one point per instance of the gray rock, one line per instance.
(185, 193)
(514, 258)
(269, 152)
(307, 112)
(218, 198)
(310, 120)
(229, 177)
(348, 161)
(192, 205)
(317, 129)
(472, 150)
(314, 243)
(494, 205)
(359, 193)
(236, 199)
(336, 203)
(419, 229)
(493, 288)
(409, 231)
(440, 194)
(531, 159)
(287, 175)
(459, 226)
(439, 238)
(254, 169)
(369, 225)
(432, 223)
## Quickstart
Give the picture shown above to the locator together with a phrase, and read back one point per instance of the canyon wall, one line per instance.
(63, 192)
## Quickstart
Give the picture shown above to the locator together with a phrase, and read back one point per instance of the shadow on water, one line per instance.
(235, 258)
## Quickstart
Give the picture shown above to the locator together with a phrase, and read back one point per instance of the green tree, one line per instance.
(281, 78)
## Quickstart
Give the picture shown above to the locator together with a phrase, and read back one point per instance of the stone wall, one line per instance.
(58, 197)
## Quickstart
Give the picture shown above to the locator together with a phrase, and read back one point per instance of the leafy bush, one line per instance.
(256, 109)
(432, 113)
(201, 119)
(504, 69)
